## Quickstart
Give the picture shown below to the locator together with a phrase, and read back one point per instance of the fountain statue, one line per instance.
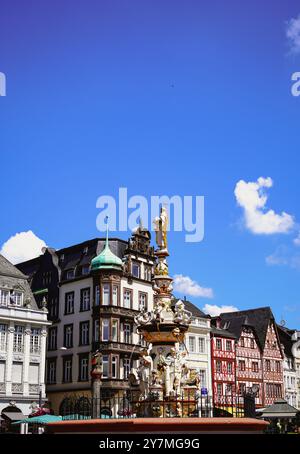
(166, 386)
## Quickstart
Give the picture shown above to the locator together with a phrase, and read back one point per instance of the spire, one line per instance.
(106, 259)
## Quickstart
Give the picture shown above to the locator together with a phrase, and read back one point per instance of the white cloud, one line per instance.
(297, 240)
(252, 198)
(214, 310)
(293, 34)
(186, 286)
(22, 246)
(284, 256)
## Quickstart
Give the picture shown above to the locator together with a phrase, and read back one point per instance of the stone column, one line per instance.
(26, 360)
(43, 362)
(9, 358)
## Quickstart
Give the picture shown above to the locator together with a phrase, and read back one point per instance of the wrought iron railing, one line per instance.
(129, 406)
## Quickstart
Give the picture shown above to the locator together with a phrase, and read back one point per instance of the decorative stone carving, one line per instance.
(17, 388)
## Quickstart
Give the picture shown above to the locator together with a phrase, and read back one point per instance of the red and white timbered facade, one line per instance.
(249, 364)
(272, 366)
(223, 366)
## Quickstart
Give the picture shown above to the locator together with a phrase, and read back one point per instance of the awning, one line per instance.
(13, 416)
(43, 419)
(41, 291)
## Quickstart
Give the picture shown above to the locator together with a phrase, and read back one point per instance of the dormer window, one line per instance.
(85, 250)
(70, 274)
(4, 297)
(136, 270)
(16, 298)
(62, 258)
(85, 269)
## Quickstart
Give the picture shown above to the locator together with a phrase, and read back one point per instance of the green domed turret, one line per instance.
(106, 259)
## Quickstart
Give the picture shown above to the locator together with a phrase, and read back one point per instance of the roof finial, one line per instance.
(106, 241)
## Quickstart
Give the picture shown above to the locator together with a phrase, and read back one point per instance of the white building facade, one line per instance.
(197, 344)
(23, 334)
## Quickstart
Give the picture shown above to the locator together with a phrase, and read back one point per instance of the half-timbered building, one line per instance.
(259, 355)
(222, 365)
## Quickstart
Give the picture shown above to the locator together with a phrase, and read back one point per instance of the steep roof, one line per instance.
(8, 269)
(219, 332)
(12, 278)
(258, 318)
(285, 336)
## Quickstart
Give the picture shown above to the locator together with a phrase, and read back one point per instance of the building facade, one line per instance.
(92, 300)
(197, 345)
(289, 365)
(223, 365)
(259, 353)
(23, 334)
(296, 356)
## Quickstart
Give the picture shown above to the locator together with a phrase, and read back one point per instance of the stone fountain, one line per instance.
(166, 386)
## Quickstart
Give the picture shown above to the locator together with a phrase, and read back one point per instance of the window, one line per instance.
(4, 297)
(16, 298)
(191, 344)
(106, 294)
(127, 333)
(84, 333)
(67, 369)
(242, 388)
(147, 273)
(115, 295)
(105, 329)
(53, 309)
(278, 366)
(17, 372)
(201, 344)
(242, 365)
(97, 295)
(83, 368)
(70, 274)
(68, 336)
(242, 342)
(69, 303)
(219, 389)
(254, 366)
(228, 346)
(18, 339)
(202, 376)
(105, 366)
(252, 345)
(3, 337)
(268, 365)
(126, 367)
(142, 302)
(127, 299)
(114, 330)
(218, 344)
(85, 269)
(229, 368)
(84, 299)
(229, 388)
(51, 371)
(52, 338)
(136, 269)
(218, 366)
(114, 366)
(35, 340)
(96, 330)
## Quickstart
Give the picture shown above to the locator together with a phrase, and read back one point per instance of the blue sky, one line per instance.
(161, 97)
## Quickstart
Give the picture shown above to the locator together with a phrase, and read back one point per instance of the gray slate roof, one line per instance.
(280, 407)
(14, 279)
(257, 318)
